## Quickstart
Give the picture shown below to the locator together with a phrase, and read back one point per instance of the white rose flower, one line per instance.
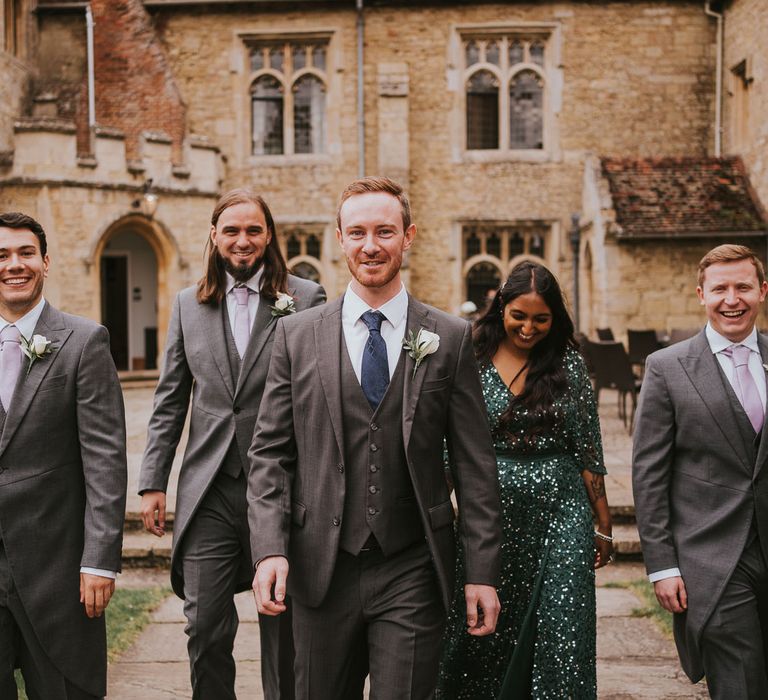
(284, 305)
(39, 344)
(427, 342)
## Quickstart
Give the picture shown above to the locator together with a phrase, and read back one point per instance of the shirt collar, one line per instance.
(718, 343)
(393, 310)
(254, 283)
(27, 323)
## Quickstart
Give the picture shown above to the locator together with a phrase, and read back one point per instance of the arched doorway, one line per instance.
(129, 290)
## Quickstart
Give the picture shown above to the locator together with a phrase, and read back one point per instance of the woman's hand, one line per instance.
(603, 551)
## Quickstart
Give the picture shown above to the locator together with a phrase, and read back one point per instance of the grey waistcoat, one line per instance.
(379, 493)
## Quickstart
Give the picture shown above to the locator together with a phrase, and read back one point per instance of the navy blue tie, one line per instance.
(374, 376)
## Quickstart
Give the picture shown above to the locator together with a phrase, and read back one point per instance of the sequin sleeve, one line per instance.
(588, 443)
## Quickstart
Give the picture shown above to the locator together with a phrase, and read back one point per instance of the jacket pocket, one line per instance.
(298, 513)
(435, 384)
(441, 515)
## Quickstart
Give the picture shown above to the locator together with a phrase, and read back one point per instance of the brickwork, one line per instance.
(13, 83)
(135, 90)
(746, 26)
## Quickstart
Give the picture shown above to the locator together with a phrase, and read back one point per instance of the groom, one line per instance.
(62, 481)
(347, 485)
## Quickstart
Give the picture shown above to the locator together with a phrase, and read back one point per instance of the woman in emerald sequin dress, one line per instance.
(549, 453)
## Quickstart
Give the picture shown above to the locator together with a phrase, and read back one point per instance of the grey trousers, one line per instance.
(733, 643)
(214, 549)
(19, 648)
(382, 617)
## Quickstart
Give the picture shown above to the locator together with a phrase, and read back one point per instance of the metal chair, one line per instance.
(604, 334)
(641, 344)
(613, 370)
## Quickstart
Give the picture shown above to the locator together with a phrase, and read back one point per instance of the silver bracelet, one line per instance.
(601, 536)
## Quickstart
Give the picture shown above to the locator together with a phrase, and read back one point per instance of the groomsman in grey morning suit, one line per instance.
(699, 476)
(62, 481)
(347, 484)
(218, 348)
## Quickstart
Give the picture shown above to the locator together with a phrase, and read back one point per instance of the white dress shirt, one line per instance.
(718, 343)
(392, 327)
(254, 284)
(26, 325)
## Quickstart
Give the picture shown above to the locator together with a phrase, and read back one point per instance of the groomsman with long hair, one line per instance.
(218, 351)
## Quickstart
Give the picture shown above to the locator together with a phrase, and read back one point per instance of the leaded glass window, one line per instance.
(267, 103)
(309, 115)
(482, 111)
(526, 103)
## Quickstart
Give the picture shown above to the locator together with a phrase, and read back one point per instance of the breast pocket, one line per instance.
(50, 383)
(435, 384)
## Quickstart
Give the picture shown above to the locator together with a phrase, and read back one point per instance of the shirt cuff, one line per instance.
(664, 573)
(98, 572)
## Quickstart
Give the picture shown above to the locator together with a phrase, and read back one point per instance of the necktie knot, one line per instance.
(373, 320)
(241, 294)
(10, 334)
(739, 354)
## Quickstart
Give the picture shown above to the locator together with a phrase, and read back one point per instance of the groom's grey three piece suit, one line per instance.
(701, 493)
(356, 498)
(211, 551)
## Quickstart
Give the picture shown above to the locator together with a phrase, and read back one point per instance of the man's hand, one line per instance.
(153, 512)
(482, 609)
(271, 573)
(671, 594)
(95, 593)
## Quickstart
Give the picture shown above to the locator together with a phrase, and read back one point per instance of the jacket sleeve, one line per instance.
(101, 433)
(169, 411)
(473, 468)
(272, 459)
(652, 461)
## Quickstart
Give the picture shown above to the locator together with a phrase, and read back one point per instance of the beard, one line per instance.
(241, 273)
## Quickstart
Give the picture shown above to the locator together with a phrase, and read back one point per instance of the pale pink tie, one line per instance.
(242, 319)
(10, 363)
(746, 388)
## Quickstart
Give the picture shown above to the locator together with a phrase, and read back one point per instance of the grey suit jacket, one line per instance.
(696, 489)
(296, 490)
(197, 363)
(62, 489)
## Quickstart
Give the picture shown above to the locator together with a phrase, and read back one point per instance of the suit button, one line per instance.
(374, 448)
(236, 410)
(374, 426)
(371, 511)
(373, 468)
(372, 489)
(340, 467)
(336, 522)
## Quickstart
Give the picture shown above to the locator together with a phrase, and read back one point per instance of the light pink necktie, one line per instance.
(10, 363)
(242, 319)
(746, 388)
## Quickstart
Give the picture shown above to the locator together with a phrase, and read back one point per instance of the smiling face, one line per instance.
(23, 270)
(241, 237)
(373, 241)
(527, 321)
(731, 294)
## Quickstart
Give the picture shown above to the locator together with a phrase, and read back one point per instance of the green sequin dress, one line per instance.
(547, 530)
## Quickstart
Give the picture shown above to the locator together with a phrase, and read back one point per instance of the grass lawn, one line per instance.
(128, 613)
(643, 589)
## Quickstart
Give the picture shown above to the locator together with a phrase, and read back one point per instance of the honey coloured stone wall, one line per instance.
(632, 78)
(745, 103)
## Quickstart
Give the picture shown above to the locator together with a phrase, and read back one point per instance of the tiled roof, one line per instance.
(682, 197)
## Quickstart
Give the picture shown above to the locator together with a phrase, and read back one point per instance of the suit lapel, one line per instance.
(263, 327)
(328, 333)
(701, 367)
(762, 451)
(418, 318)
(210, 316)
(51, 325)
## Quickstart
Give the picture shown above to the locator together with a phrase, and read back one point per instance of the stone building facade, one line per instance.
(497, 117)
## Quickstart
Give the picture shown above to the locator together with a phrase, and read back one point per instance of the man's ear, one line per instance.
(409, 235)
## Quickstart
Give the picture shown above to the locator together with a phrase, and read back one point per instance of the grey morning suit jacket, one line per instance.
(297, 483)
(698, 482)
(197, 362)
(62, 489)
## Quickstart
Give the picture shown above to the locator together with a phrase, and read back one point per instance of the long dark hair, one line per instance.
(546, 379)
(212, 286)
